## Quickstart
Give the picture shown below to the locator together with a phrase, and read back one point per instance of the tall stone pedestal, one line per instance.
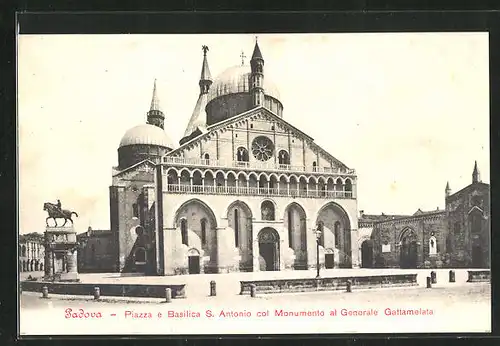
(61, 254)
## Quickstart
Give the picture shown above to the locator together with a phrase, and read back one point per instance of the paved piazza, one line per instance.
(229, 284)
(447, 307)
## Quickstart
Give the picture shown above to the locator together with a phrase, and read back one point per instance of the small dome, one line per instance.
(236, 79)
(146, 134)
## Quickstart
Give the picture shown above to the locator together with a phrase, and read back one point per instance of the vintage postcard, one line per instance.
(254, 184)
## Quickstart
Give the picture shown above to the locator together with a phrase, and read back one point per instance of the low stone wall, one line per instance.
(479, 276)
(329, 284)
(113, 290)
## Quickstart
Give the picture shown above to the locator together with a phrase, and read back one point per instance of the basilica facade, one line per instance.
(244, 190)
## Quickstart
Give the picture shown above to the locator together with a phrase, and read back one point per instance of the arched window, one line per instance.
(203, 231)
(140, 256)
(476, 222)
(23, 251)
(267, 210)
(348, 188)
(283, 158)
(241, 154)
(314, 166)
(336, 233)
(184, 232)
(206, 156)
(236, 228)
(135, 210)
(290, 229)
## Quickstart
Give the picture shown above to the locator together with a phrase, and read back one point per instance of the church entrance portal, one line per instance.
(408, 254)
(367, 254)
(193, 261)
(329, 260)
(408, 250)
(194, 264)
(269, 250)
(477, 256)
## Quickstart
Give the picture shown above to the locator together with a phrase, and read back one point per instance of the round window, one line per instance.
(262, 148)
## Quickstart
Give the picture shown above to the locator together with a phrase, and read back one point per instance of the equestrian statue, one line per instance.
(56, 212)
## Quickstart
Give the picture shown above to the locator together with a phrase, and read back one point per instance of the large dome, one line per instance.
(236, 79)
(146, 134)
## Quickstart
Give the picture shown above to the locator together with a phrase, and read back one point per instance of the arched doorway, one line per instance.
(477, 256)
(367, 254)
(329, 259)
(269, 249)
(408, 253)
(194, 261)
(476, 224)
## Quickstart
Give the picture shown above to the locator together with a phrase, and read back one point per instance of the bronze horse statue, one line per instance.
(56, 213)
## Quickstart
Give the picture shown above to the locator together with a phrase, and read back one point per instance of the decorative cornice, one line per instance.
(422, 217)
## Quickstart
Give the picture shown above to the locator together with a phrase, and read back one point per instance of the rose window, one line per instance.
(262, 148)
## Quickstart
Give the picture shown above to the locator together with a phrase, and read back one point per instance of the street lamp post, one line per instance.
(318, 233)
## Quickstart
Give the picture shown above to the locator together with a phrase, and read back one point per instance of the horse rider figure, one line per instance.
(59, 205)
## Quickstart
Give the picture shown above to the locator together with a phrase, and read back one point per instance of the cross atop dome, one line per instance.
(242, 56)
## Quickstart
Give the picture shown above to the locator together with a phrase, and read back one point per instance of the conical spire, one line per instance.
(155, 102)
(475, 174)
(155, 115)
(205, 70)
(206, 77)
(256, 51)
(447, 190)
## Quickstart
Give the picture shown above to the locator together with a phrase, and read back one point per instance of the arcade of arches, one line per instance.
(254, 240)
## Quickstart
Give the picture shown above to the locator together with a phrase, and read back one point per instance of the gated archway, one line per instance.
(269, 249)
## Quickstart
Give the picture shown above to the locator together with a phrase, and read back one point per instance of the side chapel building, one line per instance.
(243, 191)
(458, 236)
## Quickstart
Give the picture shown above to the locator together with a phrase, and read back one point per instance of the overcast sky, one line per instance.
(408, 111)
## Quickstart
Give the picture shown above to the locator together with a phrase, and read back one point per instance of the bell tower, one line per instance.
(205, 78)
(155, 114)
(257, 76)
